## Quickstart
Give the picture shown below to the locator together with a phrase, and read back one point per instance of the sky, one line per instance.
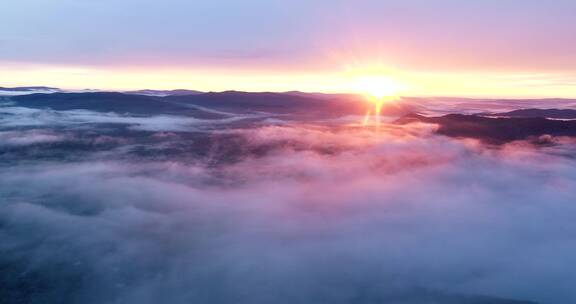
(509, 48)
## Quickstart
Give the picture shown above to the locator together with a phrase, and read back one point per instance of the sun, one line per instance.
(378, 90)
(377, 87)
(374, 81)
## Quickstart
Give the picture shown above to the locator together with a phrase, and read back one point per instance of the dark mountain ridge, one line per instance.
(238, 102)
(497, 130)
(97, 101)
(302, 105)
(529, 113)
(109, 102)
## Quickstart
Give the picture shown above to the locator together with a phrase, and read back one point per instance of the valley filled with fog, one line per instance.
(285, 198)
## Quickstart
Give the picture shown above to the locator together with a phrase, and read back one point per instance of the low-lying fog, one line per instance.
(175, 210)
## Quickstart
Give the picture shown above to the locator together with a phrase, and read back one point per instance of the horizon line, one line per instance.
(104, 90)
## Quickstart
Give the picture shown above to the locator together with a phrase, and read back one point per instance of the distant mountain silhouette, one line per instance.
(230, 101)
(323, 95)
(549, 113)
(109, 102)
(163, 93)
(16, 91)
(288, 103)
(247, 101)
(497, 130)
(176, 104)
(27, 89)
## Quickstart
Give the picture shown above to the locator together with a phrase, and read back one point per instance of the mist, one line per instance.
(301, 214)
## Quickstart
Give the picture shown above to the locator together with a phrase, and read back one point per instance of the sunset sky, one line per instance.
(508, 48)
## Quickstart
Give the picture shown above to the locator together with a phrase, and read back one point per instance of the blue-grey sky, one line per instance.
(297, 36)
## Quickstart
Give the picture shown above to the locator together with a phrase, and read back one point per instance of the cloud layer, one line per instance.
(297, 213)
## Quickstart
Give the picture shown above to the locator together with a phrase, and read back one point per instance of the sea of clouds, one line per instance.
(303, 213)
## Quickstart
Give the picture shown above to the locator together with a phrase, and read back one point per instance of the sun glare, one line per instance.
(378, 89)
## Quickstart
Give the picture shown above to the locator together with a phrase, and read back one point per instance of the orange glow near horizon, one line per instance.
(351, 80)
